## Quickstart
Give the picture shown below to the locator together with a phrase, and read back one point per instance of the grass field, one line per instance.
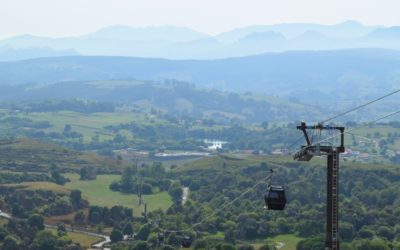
(40, 186)
(97, 192)
(233, 162)
(34, 155)
(283, 242)
(88, 124)
(3, 221)
(289, 241)
(86, 241)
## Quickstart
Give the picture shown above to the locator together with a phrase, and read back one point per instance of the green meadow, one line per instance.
(97, 192)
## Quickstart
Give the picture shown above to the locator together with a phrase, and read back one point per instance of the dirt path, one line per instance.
(99, 245)
(185, 194)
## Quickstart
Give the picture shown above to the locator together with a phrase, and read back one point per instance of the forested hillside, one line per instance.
(306, 75)
(227, 196)
(168, 97)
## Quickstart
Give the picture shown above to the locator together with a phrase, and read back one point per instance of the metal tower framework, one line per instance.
(332, 184)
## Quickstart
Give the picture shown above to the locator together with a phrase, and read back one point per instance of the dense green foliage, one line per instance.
(8, 177)
(54, 106)
(143, 180)
(22, 202)
(369, 205)
(110, 217)
(153, 130)
(30, 235)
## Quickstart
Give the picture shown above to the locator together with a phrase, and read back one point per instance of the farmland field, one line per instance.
(86, 241)
(86, 124)
(97, 192)
(40, 186)
(289, 241)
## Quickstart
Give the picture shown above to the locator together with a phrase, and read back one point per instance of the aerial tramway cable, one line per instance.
(361, 106)
(355, 128)
(283, 164)
(234, 200)
(345, 113)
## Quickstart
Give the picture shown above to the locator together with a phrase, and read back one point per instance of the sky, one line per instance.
(57, 18)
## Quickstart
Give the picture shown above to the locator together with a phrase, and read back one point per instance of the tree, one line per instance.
(146, 188)
(168, 247)
(311, 244)
(173, 240)
(127, 180)
(365, 233)
(248, 225)
(11, 243)
(229, 235)
(141, 245)
(225, 246)
(116, 236)
(346, 231)
(88, 173)
(371, 245)
(175, 191)
(55, 174)
(200, 244)
(67, 128)
(17, 210)
(128, 229)
(61, 231)
(76, 198)
(36, 221)
(157, 170)
(44, 240)
(79, 218)
(385, 232)
(143, 232)
(3, 233)
(264, 124)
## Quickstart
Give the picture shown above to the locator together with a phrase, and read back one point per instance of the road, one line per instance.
(99, 245)
(185, 194)
(279, 245)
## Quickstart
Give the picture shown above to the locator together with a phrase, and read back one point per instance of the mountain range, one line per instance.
(307, 76)
(173, 42)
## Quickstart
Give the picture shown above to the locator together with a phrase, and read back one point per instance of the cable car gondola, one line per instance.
(186, 241)
(275, 199)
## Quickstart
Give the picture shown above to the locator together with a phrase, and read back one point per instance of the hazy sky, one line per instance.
(75, 17)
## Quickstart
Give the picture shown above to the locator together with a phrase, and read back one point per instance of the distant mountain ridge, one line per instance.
(10, 54)
(302, 75)
(174, 42)
(348, 29)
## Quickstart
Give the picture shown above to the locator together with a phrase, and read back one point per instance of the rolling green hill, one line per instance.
(306, 75)
(27, 155)
(171, 97)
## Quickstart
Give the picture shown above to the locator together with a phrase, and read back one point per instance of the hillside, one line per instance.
(311, 76)
(227, 191)
(170, 97)
(27, 155)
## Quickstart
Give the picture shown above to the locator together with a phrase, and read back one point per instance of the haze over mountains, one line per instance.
(310, 63)
(173, 42)
(308, 76)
